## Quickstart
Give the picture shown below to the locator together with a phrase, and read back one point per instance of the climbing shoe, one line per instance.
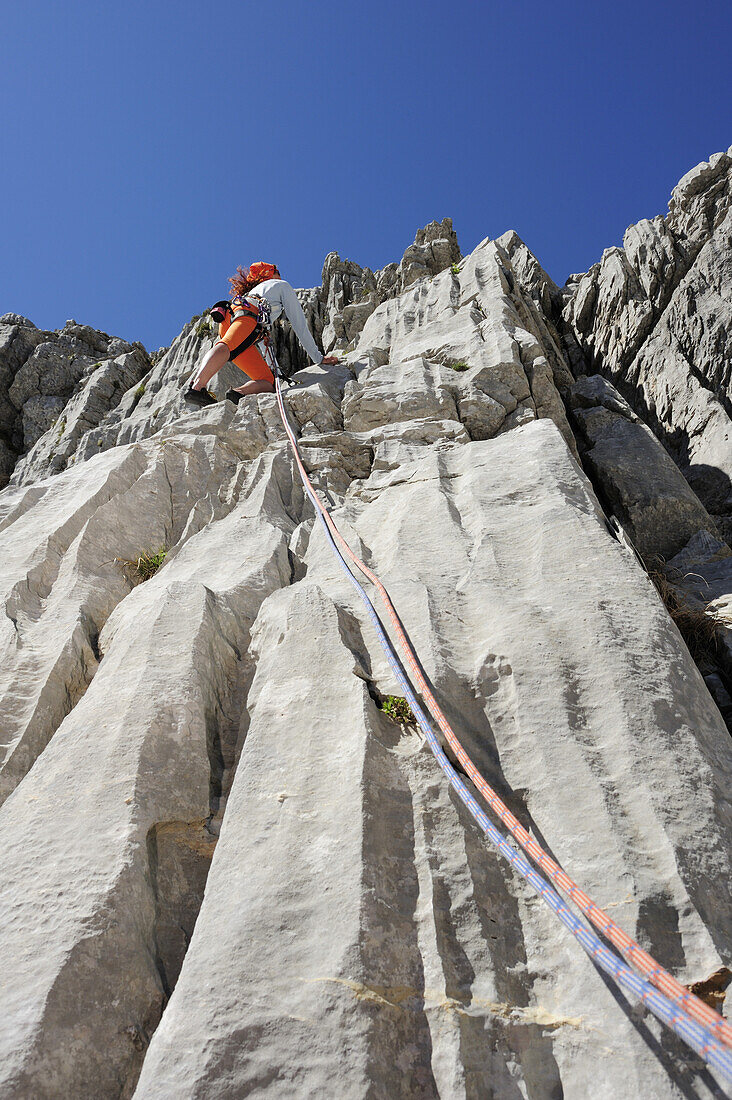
(234, 395)
(202, 398)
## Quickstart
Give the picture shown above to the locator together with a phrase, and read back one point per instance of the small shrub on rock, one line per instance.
(397, 709)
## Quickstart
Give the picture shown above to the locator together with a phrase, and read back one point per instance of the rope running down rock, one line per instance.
(700, 1026)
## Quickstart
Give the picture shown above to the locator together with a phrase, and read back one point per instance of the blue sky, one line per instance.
(150, 147)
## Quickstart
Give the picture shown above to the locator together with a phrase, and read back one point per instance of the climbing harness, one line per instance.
(258, 309)
(675, 1005)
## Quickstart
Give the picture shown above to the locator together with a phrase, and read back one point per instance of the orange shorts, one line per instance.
(251, 361)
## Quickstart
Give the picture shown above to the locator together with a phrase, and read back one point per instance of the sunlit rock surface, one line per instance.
(655, 316)
(212, 739)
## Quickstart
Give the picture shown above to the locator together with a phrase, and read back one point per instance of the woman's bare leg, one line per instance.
(216, 358)
(259, 385)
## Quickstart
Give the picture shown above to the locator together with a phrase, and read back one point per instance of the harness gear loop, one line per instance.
(251, 306)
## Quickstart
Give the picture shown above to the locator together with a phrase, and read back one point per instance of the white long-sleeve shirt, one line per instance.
(282, 299)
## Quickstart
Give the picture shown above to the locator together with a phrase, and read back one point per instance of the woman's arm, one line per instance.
(296, 317)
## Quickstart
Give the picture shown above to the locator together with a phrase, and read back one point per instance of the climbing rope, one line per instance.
(625, 944)
(696, 1023)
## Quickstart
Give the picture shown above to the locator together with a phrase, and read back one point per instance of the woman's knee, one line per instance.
(258, 385)
(219, 354)
(213, 361)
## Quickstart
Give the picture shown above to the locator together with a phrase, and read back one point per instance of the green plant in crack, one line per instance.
(205, 327)
(140, 390)
(397, 709)
(459, 366)
(455, 268)
(146, 565)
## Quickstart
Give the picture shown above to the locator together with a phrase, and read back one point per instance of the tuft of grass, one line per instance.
(147, 565)
(700, 629)
(397, 709)
(140, 390)
(459, 366)
(205, 327)
(455, 268)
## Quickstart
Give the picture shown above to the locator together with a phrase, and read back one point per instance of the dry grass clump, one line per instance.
(699, 627)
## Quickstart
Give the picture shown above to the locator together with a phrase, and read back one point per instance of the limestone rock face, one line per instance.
(478, 323)
(92, 399)
(655, 317)
(225, 871)
(413, 952)
(162, 718)
(484, 343)
(350, 293)
(640, 482)
(60, 580)
(54, 386)
(435, 248)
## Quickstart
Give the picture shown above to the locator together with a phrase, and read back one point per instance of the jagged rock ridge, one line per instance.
(54, 386)
(356, 935)
(654, 318)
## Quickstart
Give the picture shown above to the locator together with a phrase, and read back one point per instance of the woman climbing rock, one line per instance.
(237, 322)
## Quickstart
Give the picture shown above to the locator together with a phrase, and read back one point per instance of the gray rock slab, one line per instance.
(398, 392)
(477, 318)
(79, 985)
(59, 579)
(639, 481)
(430, 970)
(101, 390)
